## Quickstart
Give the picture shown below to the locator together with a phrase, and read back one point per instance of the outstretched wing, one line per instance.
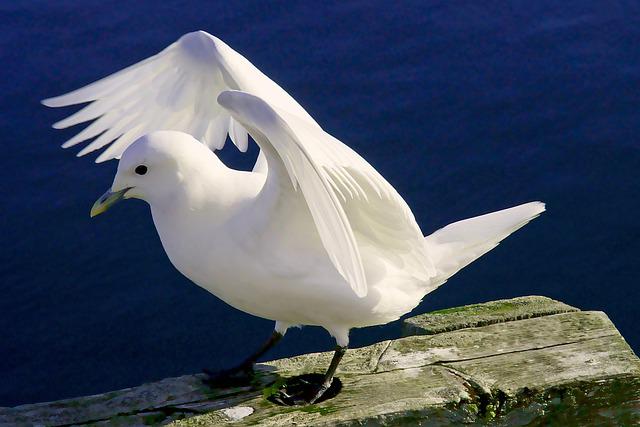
(333, 179)
(176, 89)
(173, 90)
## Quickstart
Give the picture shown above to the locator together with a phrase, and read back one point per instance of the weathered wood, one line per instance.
(557, 365)
(488, 313)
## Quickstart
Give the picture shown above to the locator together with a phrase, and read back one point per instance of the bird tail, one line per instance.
(455, 246)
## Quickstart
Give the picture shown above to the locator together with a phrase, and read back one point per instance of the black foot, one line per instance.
(304, 390)
(235, 377)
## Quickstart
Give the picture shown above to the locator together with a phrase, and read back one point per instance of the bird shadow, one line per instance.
(299, 390)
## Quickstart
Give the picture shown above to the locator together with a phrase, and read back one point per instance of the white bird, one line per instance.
(314, 235)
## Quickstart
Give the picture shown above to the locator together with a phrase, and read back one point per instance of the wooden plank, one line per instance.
(568, 368)
(500, 338)
(488, 313)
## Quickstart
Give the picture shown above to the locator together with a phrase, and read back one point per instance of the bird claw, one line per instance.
(235, 377)
(305, 390)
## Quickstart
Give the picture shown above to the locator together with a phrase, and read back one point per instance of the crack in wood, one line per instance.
(442, 362)
(375, 368)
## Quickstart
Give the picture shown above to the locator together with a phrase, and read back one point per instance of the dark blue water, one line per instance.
(466, 107)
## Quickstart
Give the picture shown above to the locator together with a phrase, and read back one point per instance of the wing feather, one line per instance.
(349, 201)
(172, 90)
(176, 89)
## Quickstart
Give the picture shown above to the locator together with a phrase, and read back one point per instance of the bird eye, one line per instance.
(141, 169)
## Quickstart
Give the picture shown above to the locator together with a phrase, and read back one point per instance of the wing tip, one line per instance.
(62, 100)
(361, 286)
(50, 102)
(357, 282)
(102, 158)
(60, 124)
(361, 293)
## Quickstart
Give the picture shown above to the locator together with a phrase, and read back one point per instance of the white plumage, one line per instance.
(313, 236)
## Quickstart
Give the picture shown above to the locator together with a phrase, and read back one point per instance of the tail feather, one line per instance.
(455, 246)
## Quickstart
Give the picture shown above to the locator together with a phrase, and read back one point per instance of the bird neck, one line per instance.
(199, 214)
(206, 201)
(214, 192)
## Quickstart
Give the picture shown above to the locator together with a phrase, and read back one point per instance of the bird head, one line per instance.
(154, 169)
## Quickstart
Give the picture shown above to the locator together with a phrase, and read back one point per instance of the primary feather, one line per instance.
(346, 196)
(175, 89)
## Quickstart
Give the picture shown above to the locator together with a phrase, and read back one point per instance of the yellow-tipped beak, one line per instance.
(107, 200)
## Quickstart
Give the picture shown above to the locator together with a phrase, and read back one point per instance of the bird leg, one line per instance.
(311, 388)
(328, 376)
(241, 374)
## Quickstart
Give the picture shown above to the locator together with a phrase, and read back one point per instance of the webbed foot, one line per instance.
(305, 390)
